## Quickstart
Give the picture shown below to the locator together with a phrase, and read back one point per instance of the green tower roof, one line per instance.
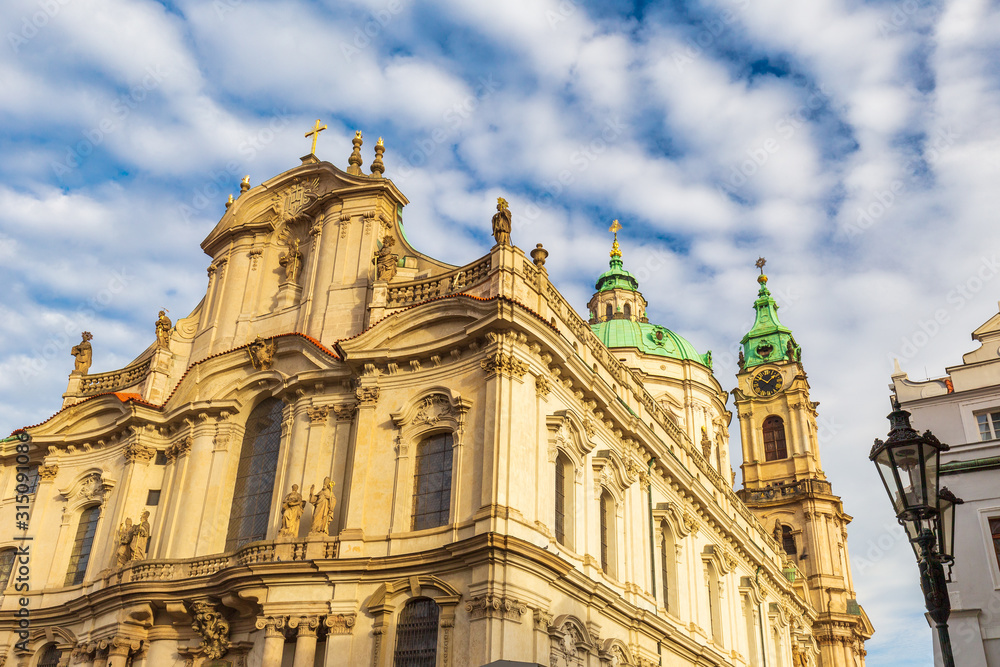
(648, 339)
(768, 340)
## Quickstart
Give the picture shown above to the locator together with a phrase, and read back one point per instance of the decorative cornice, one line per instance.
(504, 364)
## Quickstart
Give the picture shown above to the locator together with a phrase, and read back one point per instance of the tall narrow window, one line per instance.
(250, 513)
(995, 533)
(50, 657)
(6, 567)
(560, 501)
(714, 611)
(608, 534)
(774, 439)
(788, 540)
(628, 311)
(432, 485)
(416, 634)
(666, 559)
(82, 545)
(608, 312)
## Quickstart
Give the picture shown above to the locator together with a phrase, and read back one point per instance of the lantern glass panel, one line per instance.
(946, 528)
(892, 483)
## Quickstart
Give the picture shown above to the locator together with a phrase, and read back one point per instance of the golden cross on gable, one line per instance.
(314, 133)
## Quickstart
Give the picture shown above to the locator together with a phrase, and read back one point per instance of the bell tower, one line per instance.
(784, 483)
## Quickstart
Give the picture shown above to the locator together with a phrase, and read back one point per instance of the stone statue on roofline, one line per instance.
(84, 354)
(502, 222)
(386, 261)
(163, 325)
(291, 513)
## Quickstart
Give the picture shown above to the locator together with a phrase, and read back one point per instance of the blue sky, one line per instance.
(855, 145)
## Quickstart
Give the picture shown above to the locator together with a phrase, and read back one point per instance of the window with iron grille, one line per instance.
(989, 425)
(6, 567)
(432, 483)
(250, 514)
(995, 533)
(774, 439)
(416, 634)
(50, 657)
(82, 545)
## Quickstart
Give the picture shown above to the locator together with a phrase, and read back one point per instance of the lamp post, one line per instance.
(908, 464)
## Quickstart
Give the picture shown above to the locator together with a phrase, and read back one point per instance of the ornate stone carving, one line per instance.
(367, 396)
(345, 412)
(589, 427)
(504, 364)
(317, 414)
(84, 354)
(179, 449)
(495, 606)
(262, 353)
(542, 619)
(323, 504)
(340, 624)
(433, 409)
(502, 222)
(48, 472)
(136, 452)
(163, 327)
(386, 261)
(706, 443)
(213, 628)
(255, 254)
(690, 523)
(291, 512)
(542, 386)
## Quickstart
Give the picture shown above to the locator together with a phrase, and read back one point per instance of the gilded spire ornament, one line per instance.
(245, 184)
(762, 279)
(354, 162)
(378, 167)
(616, 251)
(314, 133)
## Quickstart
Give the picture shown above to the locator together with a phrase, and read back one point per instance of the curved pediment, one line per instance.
(419, 330)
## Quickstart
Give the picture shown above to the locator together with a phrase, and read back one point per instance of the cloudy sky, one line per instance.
(855, 145)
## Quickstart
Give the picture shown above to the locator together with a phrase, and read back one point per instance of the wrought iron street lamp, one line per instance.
(908, 464)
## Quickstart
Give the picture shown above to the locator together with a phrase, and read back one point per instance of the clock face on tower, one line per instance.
(766, 383)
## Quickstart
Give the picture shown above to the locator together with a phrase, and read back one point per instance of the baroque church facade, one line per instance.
(351, 453)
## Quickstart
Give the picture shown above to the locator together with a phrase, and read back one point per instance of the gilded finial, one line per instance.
(229, 202)
(378, 167)
(314, 133)
(616, 251)
(354, 162)
(245, 184)
(762, 279)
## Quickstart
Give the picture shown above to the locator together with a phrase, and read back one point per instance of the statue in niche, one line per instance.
(291, 513)
(163, 325)
(84, 354)
(262, 353)
(140, 538)
(123, 553)
(386, 261)
(323, 504)
(292, 261)
(502, 222)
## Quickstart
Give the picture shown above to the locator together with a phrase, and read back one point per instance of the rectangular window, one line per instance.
(989, 425)
(432, 484)
(995, 534)
(161, 458)
(604, 533)
(560, 502)
(153, 497)
(82, 545)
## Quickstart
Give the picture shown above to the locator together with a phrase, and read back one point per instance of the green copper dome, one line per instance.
(649, 339)
(768, 340)
(617, 277)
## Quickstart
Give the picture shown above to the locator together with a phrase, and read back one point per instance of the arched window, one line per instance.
(564, 500)
(50, 657)
(608, 533)
(416, 634)
(628, 311)
(774, 439)
(608, 312)
(82, 545)
(249, 517)
(668, 564)
(6, 567)
(432, 484)
(788, 540)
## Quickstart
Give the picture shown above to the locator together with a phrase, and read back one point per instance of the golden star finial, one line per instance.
(314, 133)
(760, 264)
